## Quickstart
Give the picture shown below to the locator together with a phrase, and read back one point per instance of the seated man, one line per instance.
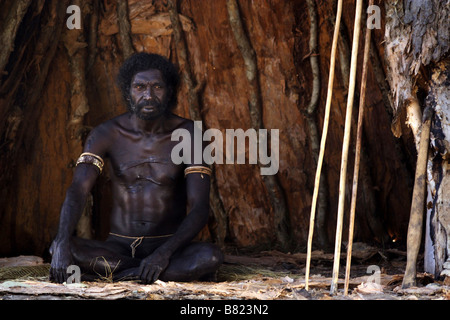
(158, 206)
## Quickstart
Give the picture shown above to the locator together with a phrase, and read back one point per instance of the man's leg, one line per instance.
(193, 262)
(98, 259)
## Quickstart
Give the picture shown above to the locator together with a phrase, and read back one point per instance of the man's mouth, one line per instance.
(148, 108)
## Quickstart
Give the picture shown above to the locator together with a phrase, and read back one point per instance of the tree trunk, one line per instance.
(273, 187)
(10, 26)
(124, 28)
(417, 42)
(437, 232)
(195, 115)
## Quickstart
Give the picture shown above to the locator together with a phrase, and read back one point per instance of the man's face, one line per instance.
(148, 95)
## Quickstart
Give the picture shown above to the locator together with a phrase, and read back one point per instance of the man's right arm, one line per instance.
(76, 195)
(84, 178)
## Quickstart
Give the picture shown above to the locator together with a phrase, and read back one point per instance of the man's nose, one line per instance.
(148, 93)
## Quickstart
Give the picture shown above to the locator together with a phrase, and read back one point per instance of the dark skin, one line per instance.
(151, 197)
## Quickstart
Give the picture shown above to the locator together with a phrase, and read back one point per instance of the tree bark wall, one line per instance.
(279, 34)
(417, 51)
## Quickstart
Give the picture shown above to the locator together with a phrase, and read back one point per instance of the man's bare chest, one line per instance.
(142, 163)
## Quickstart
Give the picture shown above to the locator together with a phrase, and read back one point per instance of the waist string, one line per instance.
(138, 240)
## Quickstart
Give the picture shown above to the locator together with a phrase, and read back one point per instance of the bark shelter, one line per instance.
(41, 96)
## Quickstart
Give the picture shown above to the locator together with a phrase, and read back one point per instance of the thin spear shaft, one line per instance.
(362, 99)
(323, 140)
(345, 146)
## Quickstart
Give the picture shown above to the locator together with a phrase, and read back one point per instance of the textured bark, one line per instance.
(436, 252)
(22, 108)
(93, 31)
(76, 46)
(274, 189)
(124, 28)
(195, 114)
(9, 30)
(187, 75)
(251, 68)
(442, 233)
(311, 113)
(20, 128)
(417, 39)
(417, 34)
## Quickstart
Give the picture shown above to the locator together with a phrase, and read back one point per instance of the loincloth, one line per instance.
(136, 241)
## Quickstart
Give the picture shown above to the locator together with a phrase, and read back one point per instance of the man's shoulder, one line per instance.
(121, 122)
(109, 126)
(105, 131)
(181, 123)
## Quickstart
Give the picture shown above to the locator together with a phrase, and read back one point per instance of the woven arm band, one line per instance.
(197, 169)
(90, 158)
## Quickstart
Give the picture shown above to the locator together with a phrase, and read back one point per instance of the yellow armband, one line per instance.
(90, 158)
(198, 169)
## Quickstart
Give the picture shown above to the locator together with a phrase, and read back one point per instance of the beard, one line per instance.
(137, 109)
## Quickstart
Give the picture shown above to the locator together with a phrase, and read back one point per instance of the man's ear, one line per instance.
(127, 100)
(169, 92)
(171, 97)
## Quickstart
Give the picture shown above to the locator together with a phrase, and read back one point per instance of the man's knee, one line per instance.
(209, 257)
(195, 262)
(216, 255)
(202, 256)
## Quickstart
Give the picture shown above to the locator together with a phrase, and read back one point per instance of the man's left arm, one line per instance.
(197, 217)
(197, 188)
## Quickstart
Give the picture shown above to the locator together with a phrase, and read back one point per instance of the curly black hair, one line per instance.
(143, 61)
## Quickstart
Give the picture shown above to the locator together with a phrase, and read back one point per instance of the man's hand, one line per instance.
(152, 267)
(61, 259)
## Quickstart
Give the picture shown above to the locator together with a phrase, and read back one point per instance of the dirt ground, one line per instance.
(269, 275)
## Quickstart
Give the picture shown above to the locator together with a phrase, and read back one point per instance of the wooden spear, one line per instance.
(345, 146)
(362, 98)
(323, 140)
(418, 203)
